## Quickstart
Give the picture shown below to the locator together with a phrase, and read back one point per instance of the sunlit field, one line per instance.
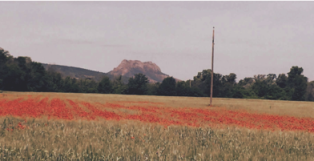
(59, 126)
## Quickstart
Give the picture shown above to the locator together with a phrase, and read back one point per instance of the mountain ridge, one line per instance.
(127, 69)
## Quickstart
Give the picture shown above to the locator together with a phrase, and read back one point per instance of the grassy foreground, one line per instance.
(83, 140)
(42, 139)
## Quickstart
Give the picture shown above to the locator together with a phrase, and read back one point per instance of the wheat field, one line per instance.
(43, 138)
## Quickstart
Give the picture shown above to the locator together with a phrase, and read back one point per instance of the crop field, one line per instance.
(59, 126)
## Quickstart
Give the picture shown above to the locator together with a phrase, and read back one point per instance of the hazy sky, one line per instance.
(250, 37)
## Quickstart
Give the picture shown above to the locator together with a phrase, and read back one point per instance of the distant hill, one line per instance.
(79, 73)
(128, 68)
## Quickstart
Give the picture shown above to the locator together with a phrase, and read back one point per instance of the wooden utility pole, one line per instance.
(212, 74)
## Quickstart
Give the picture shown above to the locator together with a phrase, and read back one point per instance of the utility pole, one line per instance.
(212, 74)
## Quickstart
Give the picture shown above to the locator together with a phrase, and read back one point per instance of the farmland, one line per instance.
(54, 126)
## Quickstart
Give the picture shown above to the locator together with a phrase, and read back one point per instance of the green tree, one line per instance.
(310, 91)
(246, 82)
(152, 88)
(183, 89)
(238, 92)
(70, 85)
(298, 83)
(35, 78)
(310, 97)
(260, 88)
(91, 86)
(271, 78)
(87, 86)
(13, 78)
(228, 83)
(118, 86)
(105, 85)
(3, 57)
(196, 92)
(274, 92)
(282, 80)
(217, 83)
(137, 84)
(53, 82)
(167, 87)
(67, 84)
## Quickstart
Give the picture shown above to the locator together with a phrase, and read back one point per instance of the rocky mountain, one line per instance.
(128, 68)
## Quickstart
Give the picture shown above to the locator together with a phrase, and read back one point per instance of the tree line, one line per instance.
(22, 74)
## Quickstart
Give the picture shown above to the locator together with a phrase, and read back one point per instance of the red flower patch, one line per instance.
(37, 107)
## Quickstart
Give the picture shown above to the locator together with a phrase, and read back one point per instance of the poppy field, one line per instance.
(148, 112)
(84, 124)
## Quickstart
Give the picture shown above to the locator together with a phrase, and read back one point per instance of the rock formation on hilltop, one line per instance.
(129, 68)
